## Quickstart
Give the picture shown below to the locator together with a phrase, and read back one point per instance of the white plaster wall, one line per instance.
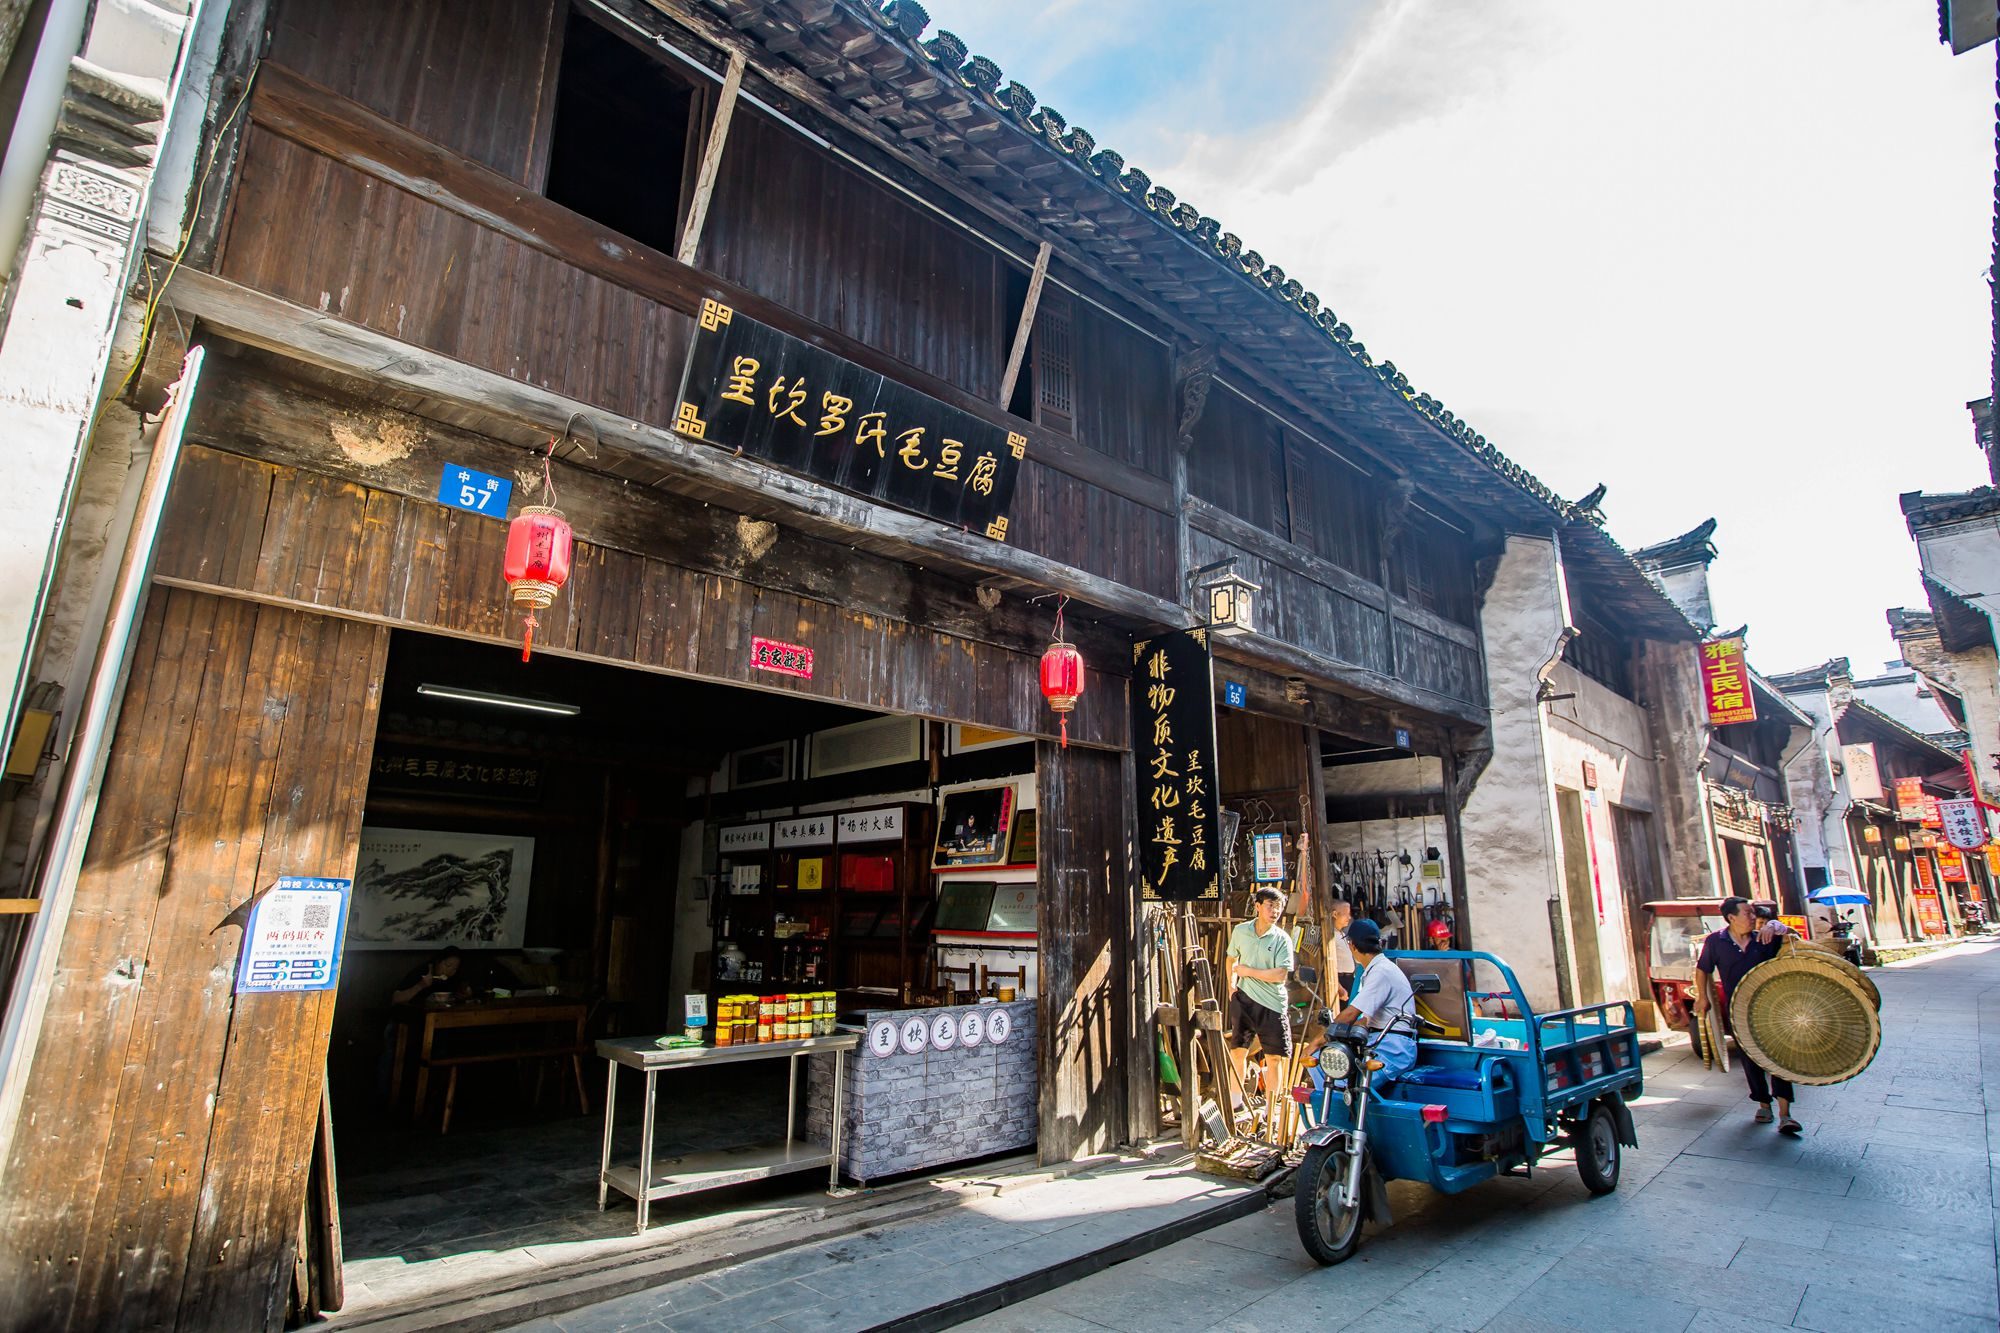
(1687, 588)
(1975, 677)
(1965, 557)
(1512, 854)
(1417, 776)
(1600, 728)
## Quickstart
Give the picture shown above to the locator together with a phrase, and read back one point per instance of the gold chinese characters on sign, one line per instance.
(751, 388)
(1173, 740)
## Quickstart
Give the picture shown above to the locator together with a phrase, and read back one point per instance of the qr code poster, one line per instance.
(294, 938)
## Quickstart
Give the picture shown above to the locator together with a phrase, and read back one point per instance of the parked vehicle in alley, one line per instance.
(1495, 1089)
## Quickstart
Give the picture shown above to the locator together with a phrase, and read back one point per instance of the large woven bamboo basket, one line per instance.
(1803, 1017)
(1826, 949)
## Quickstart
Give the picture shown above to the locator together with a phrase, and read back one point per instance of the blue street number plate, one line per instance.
(483, 493)
(1234, 694)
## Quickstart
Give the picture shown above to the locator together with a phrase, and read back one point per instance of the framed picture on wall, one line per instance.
(973, 824)
(421, 888)
(963, 738)
(1021, 843)
(761, 765)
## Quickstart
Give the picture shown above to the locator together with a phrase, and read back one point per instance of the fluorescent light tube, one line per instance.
(465, 696)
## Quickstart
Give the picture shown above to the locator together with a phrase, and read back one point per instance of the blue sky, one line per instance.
(1727, 258)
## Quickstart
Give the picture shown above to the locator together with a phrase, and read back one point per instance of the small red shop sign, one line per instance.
(1926, 880)
(1951, 865)
(1910, 798)
(1725, 683)
(1930, 913)
(787, 659)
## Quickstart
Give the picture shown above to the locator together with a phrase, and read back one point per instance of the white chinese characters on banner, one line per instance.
(1964, 824)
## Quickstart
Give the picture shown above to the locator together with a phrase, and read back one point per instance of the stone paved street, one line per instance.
(1880, 1217)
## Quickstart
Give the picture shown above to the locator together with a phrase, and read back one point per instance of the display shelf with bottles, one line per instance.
(883, 898)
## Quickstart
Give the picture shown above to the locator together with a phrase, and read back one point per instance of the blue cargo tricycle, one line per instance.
(1496, 1087)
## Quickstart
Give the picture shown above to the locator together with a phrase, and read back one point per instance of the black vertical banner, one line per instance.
(1173, 741)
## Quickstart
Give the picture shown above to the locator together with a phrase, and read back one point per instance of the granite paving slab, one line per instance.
(1881, 1217)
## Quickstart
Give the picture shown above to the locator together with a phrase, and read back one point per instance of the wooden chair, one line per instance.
(1000, 976)
(969, 972)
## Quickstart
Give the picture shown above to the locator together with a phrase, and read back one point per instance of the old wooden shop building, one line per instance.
(859, 377)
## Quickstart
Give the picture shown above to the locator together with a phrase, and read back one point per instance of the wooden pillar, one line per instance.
(164, 1146)
(1454, 849)
(1025, 327)
(1085, 892)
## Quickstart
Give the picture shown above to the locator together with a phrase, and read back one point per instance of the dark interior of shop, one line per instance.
(557, 820)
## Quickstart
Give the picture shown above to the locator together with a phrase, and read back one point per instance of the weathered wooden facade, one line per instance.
(443, 233)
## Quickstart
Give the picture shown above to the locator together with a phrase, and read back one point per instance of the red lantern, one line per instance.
(538, 551)
(1062, 681)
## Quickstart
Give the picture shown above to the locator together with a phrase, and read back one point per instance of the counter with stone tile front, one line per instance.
(924, 1106)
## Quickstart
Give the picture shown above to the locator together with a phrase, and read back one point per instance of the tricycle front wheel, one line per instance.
(1329, 1232)
(1597, 1152)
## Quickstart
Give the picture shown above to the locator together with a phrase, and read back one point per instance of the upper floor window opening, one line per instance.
(1045, 389)
(623, 146)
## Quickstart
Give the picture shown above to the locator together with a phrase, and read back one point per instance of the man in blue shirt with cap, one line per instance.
(1382, 999)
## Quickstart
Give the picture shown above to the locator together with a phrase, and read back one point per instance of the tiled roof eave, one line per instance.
(940, 100)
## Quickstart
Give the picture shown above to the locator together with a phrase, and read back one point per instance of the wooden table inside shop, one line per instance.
(728, 1166)
(525, 1012)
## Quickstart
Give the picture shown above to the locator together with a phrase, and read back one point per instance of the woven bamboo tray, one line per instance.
(1802, 1016)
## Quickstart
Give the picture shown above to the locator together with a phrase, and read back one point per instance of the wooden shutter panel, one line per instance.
(1055, 364)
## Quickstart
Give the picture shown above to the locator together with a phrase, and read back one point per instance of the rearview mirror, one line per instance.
(1307, 975)
(1426, 983)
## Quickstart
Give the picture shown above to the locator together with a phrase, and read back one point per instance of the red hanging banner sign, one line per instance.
(1725, 683)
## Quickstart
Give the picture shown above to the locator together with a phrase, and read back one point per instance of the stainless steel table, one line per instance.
(645, 1182)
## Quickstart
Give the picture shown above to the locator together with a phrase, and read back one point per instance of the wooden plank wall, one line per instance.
(268, 531)
(1085, 919)
(410, 234)
(803, 228)
(157, 1176)
(1259, 754)
(477, 78)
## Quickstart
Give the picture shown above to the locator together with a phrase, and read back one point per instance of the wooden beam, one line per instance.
(281, 422)
(487, 396)
(711, 158)
(20, 906)
(1027, 325)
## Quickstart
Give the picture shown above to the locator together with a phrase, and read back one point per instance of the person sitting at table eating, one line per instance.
(437, 976)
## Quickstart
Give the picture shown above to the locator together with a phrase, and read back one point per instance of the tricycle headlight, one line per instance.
(1334, 1060)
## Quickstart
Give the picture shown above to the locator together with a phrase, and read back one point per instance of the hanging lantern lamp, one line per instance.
(538, 552)
(539, 543)
(1062, 675)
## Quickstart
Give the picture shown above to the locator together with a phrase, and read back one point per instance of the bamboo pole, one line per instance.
(1026, 326)
(711, 159)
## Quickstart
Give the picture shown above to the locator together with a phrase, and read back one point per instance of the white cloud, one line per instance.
(1726, 257)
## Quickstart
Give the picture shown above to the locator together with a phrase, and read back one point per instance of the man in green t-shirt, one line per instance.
(1260, 963)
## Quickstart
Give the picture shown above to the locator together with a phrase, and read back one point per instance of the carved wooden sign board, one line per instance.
(753, 388)
(1173, 739)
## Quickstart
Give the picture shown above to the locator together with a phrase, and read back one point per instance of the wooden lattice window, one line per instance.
(1053, 348)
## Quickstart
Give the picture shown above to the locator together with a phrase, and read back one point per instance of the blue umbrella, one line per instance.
(1839, 898)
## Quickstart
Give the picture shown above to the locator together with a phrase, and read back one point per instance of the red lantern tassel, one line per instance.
(528, 637)
(1065, 731)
